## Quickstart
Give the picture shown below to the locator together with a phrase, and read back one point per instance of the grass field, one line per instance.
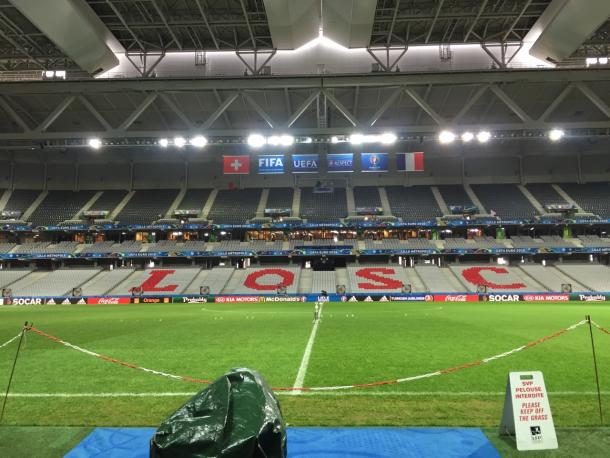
(355, 343)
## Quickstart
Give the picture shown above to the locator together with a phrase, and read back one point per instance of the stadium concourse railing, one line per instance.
(359, 297)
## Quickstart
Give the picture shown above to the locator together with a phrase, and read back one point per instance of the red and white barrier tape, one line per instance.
(321, 388)
(116, 361)
(604, 330)
(9, 341)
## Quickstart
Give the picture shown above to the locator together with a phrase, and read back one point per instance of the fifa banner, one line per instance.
(527, 414)
(236, 165)
(410, 162)
(374, 162)
(273, 163)
(340, 162)
(305, 163)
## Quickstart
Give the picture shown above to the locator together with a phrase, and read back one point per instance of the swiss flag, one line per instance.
(410, 162)
(236, 165)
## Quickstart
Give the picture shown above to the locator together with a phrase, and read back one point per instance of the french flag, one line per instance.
(410, 162)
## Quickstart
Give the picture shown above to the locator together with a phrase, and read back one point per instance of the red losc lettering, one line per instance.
(473, 275)
(382, 283)
(252, 280)
(154, 278)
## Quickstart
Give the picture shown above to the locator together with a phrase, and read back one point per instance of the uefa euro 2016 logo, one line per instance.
(374, 160)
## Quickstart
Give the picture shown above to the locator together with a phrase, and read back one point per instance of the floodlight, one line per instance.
(591, 61)
(602, 60)
(483, 136)
(199, 141)
(446, 136)
(256, 140)
(556, 135)
(95, 143)
(356, 139)
(163, 142)
(286, 140)
(467, 137)
(387, 138)
(179, 142)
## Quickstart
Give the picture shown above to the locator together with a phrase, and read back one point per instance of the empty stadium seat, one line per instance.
(415, 203)
(59, 206)
(592, 197)
(367, 196)
(506, 200)
(323, 207)
(235, 206)
(56, 283)
(147, 206)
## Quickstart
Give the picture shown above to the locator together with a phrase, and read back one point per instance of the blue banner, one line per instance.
(271, 163)
(305, 163)
(374, 162)
(341, 162)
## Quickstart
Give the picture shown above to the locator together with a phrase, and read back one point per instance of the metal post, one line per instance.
(599, 396)
(10, 379)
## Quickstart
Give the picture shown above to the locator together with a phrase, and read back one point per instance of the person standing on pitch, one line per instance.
(316, 312)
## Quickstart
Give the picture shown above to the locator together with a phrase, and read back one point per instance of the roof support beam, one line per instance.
(385, 106)
(431, 29)
(514, 23)
(122, 19)
(471, 101)
(169, 29)
(556, 101)
(510, 103)
(594, 98)
(261, 112)
(207, 24)
(170, 103)
(424, 106)
(220, 110)
(476, 20)
(389, 39)
(13, 114)
(85, 102)
(297, 114)
(56, 113)
(250, 31)
(150, 98)
(341, 108)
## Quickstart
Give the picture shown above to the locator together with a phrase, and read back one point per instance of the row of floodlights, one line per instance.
(387, 138)
(447, 136)
(258, 140)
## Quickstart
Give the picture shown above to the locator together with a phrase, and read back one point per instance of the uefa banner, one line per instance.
(374, 162)
(340, 162)
(272, 163)
(305, 163)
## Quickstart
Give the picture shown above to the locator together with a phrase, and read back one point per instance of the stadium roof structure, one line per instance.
(225, 106)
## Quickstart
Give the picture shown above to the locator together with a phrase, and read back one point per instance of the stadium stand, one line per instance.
(280, 198)
(7, 277)
(262, 285)
(413, 203)
(550, 277)
(194, 245)
(594, 241)
(592, 197)
(216, 279)
(194, 199)
(147, 206)
(59, 206)
(555, 241)
(497, 278)
(488, 242)
(166, 280)
(360, 282)
(21, 199)
(7, 247)
(108, 201)
(520, 241)
(455, 194)
(325, 280)
(506, 200)
(105, 281)
(323, 207)
(56, 283)
(436, 279)
(545, 194)
(595, 277)
(31, 247)
(367, 196)
(98, 247)
(235, 206)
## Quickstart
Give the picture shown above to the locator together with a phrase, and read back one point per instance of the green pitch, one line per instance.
(355, 343)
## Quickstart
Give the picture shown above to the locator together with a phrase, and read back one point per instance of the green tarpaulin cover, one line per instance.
(237, 416)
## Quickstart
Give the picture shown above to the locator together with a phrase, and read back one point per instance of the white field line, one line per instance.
(311, 393)
(298, 381)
